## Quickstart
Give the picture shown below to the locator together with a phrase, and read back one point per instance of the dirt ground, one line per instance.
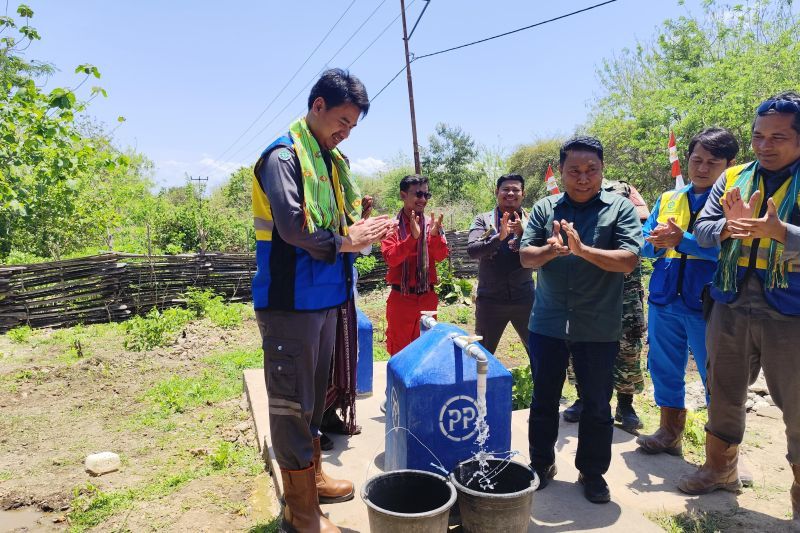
(192, 468)
(176, 417)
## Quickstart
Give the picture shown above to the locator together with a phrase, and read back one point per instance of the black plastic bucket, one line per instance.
(408, 501)
(505, 507)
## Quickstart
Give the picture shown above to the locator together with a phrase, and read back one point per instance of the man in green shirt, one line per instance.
(583, 242)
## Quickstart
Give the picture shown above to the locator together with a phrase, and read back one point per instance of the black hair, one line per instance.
(581, 142)
(412, 179)
(337, 86)
(510, 177)
(787, 96)
(719, 141)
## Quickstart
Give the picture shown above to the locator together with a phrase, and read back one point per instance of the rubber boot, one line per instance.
(329, 490)
(669, 434)
(745, 473)
(626, 415)
(795, 493)
(718, 472)
(301, 512)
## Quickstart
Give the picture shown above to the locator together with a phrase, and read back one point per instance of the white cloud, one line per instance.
(367, 166)
(171, 172)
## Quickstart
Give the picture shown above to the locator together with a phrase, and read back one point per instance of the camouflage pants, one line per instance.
(628, 376)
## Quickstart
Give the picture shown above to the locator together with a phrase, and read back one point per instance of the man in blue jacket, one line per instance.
(753, 214)
(307, 213)
(680, 272)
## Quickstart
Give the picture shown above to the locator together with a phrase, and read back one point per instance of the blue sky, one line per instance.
(191, 75)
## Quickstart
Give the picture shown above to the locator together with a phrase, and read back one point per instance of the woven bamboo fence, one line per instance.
(114, 286)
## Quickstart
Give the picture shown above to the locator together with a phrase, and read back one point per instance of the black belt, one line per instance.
(410, 289)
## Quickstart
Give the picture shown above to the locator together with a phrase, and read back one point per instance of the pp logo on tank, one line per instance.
(457, 418)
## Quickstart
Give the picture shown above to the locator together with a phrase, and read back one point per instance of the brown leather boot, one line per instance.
(795, 493)
(718, 472)
(301, 512)
(330, 490)
(667, 437)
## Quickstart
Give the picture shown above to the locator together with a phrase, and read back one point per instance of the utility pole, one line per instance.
(201, 231)
(417, 166)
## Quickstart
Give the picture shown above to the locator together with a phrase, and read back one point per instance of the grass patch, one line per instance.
(92, 506)
(232, 363)
(229, 455)
(178, 394)
(273, 526)
(221, 381)
(5, 476)
(692, 522)
(379, 352)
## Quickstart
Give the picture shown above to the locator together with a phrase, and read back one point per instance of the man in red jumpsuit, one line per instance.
(411, 254)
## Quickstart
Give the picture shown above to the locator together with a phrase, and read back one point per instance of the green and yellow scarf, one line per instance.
(775, 276)
(326, 207)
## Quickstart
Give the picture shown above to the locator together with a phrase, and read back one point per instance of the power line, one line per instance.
(489, 39)
(387, 85)
(381, 34)
(427, 3)
(517, 30)
(301, 91)
(255, 121)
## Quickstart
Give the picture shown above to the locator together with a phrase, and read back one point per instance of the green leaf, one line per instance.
(24, 11)
(30, 32)
(88, 69)
(100, 90)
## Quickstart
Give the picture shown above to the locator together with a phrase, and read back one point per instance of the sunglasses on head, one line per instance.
(423, 194)
(779, 105)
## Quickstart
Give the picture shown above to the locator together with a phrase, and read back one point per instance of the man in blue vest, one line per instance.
(753, 214)
(307, 214)
(681, 270)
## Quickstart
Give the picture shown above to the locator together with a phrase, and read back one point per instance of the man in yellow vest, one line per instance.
(308, 215)
(753, 214)
(681, 271)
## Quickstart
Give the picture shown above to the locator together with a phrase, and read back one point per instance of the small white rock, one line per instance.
(101, 463)
(770, 411)
(749, 405)
(760, 404)
(769, 399)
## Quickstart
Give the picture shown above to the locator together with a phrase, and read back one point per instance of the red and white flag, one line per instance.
(550, 181)
(676, 164)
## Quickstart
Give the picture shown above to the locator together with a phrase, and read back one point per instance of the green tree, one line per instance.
(700, 70)
(44, 159)
(450, 161)
(530, 161)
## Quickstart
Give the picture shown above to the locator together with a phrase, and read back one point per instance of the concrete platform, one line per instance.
(640, 484)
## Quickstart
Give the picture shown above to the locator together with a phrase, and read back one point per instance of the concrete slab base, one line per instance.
(640, 484)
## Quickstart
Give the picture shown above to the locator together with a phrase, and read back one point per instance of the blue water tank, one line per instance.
(364, 366)
(430, 390)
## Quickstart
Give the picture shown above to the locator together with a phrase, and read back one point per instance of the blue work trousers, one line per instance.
(672, 329)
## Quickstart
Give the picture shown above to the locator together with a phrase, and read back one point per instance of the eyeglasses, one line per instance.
(423, 194)
(779, 105)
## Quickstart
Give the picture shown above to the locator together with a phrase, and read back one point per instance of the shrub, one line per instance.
(451, 289)
(522, 389)
(207, 303)
(365, 264)
(20, 334)
(155, 329)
